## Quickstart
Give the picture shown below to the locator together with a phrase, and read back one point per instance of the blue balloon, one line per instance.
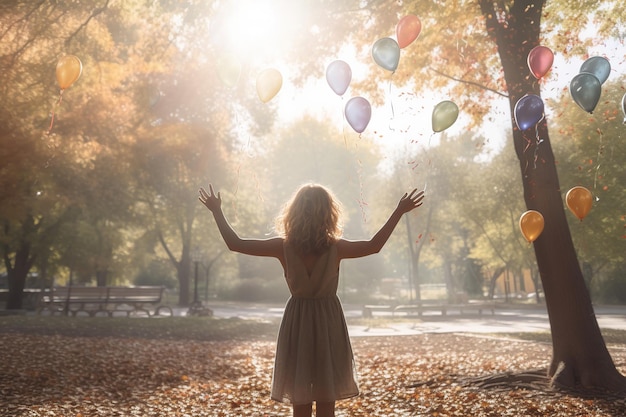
(528, 111)
(598, 66)
(586, 89)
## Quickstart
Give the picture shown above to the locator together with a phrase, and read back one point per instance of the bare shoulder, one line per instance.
(274, 246)
(260, 247)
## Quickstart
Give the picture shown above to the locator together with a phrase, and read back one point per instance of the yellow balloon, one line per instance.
(268, 84)
(579, 201)
(68, 70)
(531, 224)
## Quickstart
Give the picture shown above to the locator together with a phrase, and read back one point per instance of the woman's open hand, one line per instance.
(210, 199)
(410, 201)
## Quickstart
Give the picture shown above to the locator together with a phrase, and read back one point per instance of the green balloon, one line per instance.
(444, 115)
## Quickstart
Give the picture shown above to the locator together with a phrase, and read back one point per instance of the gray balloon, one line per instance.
(585, 89)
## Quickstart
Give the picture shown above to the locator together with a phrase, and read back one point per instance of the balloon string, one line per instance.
(528, 143)
(538, 142)
(360, 200)
(393, 113)
(600, 152)
(57, 104)
(343, 124)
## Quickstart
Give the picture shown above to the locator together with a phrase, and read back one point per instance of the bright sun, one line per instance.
(252, 29)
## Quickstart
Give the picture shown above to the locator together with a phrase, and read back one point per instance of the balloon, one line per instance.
(598, 66)
(579, 201)
(540, 61)
(268, 84)
(531, 224)
(586, 89)
(528, 111)
(228, 69)
(444, 115)
(407, 30)
(68, 70)
(338, 75)
(358, 112)
(386, 53)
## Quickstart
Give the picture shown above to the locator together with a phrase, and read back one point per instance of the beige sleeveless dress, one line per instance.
(314, 360)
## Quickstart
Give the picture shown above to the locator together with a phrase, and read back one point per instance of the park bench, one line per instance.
(407, 309)
(107, 300)
(419, 308)
(370, 309)
(403, 309)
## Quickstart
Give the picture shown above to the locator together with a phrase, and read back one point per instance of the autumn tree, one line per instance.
(53, 150)
(490, 49)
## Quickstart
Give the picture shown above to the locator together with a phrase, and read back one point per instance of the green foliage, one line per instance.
(256, 290)
(612, 289)
(158, 273)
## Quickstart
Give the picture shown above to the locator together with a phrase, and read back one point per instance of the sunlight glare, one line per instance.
(252, 29)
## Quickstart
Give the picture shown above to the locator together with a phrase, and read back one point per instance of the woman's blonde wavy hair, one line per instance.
(311, 221)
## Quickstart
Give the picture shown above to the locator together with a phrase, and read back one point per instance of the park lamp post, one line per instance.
(196, 308)
(196, 258)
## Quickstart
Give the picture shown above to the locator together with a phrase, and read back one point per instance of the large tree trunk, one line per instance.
(16, 276)
(580, 357)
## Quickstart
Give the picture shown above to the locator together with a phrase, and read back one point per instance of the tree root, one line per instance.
(536, 380)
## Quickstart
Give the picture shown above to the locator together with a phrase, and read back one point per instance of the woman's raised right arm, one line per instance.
(360, 248)
(259, 247)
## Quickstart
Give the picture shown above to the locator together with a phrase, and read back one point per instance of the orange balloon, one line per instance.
(407, 30)
(579, 201)
(68, 70)
(531, 224)
(268, 84)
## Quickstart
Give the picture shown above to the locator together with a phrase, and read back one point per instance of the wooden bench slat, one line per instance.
(103, 299)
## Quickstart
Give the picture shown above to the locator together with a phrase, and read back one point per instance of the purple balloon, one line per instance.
(528, 111)
(338, 75)
(358, 112)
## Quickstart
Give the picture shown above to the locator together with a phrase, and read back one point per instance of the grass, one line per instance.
(167, 328)
(199, 328)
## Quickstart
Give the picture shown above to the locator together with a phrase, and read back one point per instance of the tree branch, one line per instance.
(475, 84)
(95, 13)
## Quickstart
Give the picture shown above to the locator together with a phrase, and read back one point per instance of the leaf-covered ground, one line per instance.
(207, 367)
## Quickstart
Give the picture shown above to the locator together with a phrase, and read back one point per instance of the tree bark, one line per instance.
(16, 277)
(580, 357)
